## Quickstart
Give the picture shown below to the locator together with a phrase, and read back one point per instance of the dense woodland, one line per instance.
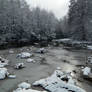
(22, 25)
(80, 19)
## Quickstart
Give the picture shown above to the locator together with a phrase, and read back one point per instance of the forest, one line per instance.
(20, 24)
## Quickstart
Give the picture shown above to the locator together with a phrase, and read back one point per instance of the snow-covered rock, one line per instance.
(58, 68)
(24, 55)
(30, 60)
(27, 90)
(19, 66)
(41, 50)
(24, 85)
(1, 65)
(89, 60)
(12, 76)
(89, 47)
(11, 51)
(3, 73)
(59, 82)
(3, 62)
(86, 71)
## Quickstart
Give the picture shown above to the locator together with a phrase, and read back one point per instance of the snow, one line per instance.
(86, 71)
(19, 66)
(3, 73)
(1, 65)
(12, 76)
(89, 60)
(63, 40)
(30, 60)
(11, 51)
(3, 62)
(58, 68)
(41, 50)
(27, 90)
(89, 47)
(59, 82)
(24, 85)
(24, 55)
(66, 39)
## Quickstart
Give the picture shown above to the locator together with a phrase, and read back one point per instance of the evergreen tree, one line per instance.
(78, 17)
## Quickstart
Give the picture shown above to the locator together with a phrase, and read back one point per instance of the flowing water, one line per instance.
(55, 57)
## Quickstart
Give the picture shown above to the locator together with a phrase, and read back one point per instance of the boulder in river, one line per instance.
(59, 82)
(41, 51)
(87, 74)
(29, 60)
(27, 90)
(25, 87)
(3, 62)
(19, 66)
(24, 55)
(12, 76)
(3, 73)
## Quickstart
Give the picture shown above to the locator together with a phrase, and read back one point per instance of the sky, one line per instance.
(58, 7)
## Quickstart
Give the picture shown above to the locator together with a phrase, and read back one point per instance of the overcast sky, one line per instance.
(59, 7)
